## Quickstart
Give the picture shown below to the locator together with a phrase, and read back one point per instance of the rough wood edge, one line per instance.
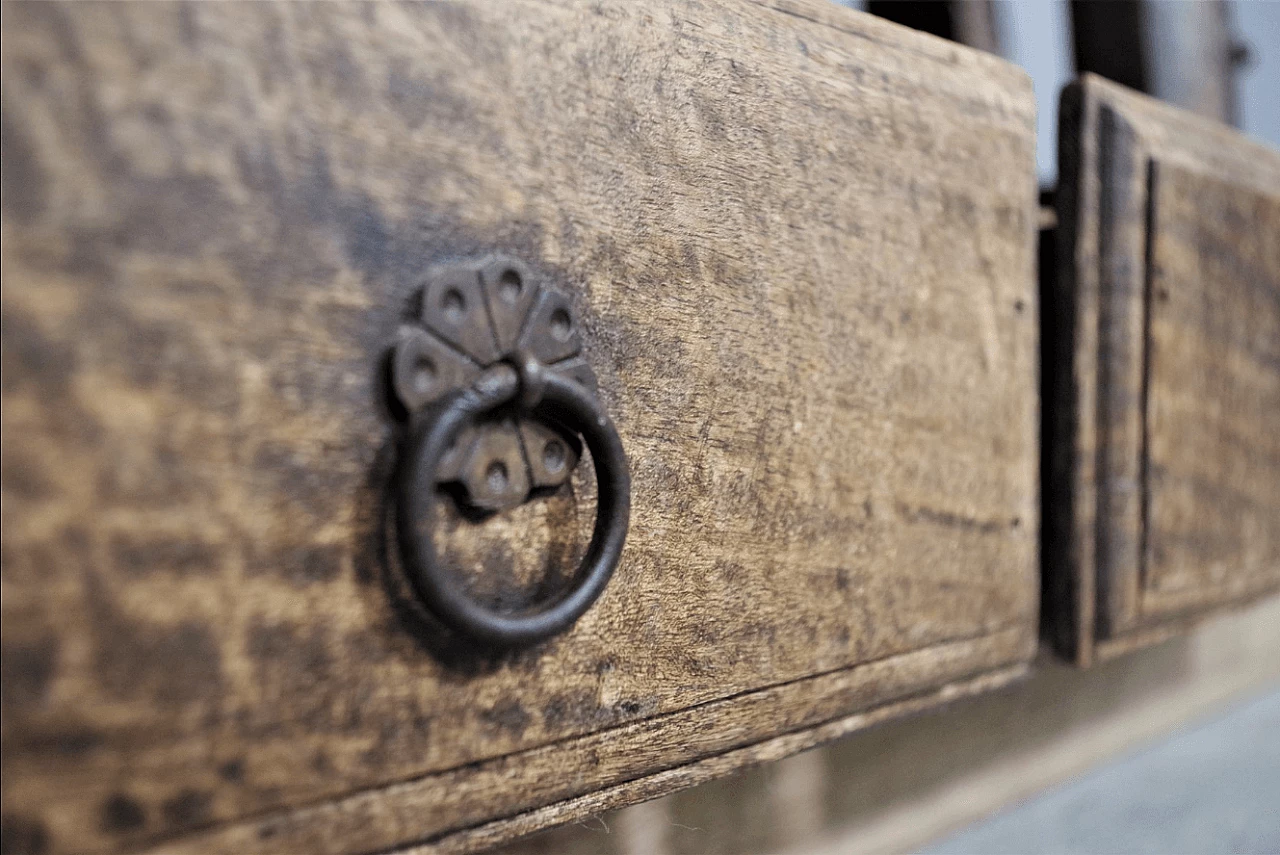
(683, 777)
(1121, 359)
(441, 805)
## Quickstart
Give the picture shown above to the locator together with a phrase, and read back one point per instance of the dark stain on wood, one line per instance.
(136, 659)
(121, 813)
(22, 835)
(507, 714)
(187, 808)
(25, 672)
(232, 771)
(22, 182)
(180, 557)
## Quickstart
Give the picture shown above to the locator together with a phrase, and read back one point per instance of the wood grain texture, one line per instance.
(1163, 493)
(1213, 391)
(717, 766)
(800, 241)
(672, 746)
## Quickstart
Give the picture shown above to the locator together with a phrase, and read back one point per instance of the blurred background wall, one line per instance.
(902, 785)
(1220, 59)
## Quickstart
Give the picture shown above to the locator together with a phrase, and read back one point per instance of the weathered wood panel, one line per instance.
(1213, 392)
(801, 243)
(1163, 495)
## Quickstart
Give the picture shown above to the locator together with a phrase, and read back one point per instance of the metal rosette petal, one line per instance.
(472, 315)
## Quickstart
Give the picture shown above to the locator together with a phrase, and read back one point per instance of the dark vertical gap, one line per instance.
(1108, 41)
(930, 16)
(975, 24)
(1148, 293)
(1235, 63)
(1051, 396)
(969, 22)
(1060, 616)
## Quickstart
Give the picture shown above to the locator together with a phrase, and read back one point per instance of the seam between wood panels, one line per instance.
(151, 843)
(1144, 399)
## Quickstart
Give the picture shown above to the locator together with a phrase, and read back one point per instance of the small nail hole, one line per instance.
(561, 325)
(553, 456)
(454, 305)
(510, 286)
(424, 374)
(496, 476)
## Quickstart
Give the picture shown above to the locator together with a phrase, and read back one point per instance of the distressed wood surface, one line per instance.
(1213, 391)
(1163, 494)
(716, 766)
(667, 748)
(801, 243)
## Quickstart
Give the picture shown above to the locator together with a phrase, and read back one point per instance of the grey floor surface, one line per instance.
(1211, 788)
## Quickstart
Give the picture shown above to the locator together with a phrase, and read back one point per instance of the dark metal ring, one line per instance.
(568, 404)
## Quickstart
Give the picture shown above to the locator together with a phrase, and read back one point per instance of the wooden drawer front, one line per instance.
(1171, 266)
(800, 241)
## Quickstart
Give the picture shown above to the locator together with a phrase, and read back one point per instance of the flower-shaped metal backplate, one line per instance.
(473, 315)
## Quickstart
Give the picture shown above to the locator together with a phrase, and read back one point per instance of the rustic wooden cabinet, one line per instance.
(1162, 357)
(800, 246)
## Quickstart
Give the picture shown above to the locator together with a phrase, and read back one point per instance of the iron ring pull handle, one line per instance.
(538, 393)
